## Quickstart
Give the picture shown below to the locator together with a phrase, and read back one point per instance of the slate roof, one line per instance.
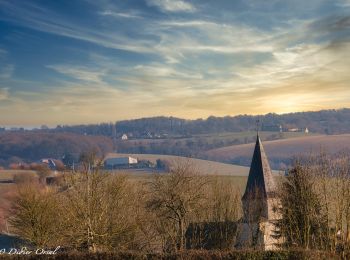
(260, 175)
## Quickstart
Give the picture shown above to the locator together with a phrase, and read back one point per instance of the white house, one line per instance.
(124, 137)
(120, 161)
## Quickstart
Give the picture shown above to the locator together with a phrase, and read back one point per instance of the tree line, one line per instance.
(324, 121)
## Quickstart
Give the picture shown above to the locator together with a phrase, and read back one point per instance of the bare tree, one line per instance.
(174, 198)
(34, 215)
(98, 210)
(214, 225)
(304, 222)
(333, 184)
(224, 200)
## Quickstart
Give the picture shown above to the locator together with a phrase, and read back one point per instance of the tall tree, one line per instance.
(303, 223)
(174, 198)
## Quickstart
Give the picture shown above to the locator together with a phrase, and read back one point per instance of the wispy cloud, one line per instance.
(159, 70)
(172, 5)
(42, 19)
(6, 67)
(79, 73)
(6, 71)
(4, 93)
(344, 3)
(121, 14)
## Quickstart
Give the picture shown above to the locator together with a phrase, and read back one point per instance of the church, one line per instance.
(257, 228)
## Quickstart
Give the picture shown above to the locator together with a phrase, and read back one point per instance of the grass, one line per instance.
(237, 182)
(286, 148)
(202, 166)
(6, 175)
(227, 136)
(263, 135)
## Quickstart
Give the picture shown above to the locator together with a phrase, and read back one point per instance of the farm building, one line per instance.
(115, 162)
(49, 162)
(303, 130)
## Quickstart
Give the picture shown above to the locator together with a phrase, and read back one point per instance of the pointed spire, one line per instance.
(260, 175)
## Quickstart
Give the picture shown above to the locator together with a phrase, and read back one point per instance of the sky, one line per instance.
(90, 61)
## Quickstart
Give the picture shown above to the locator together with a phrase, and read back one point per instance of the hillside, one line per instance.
(196, 145)
(30, 146)
(281, 151)
(203, 166)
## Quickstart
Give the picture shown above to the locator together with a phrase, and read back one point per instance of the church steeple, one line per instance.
(260, 202)
(260, 175)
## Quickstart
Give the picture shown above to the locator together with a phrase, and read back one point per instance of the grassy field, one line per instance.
(7, 175)
(285, 148)
(202, 166)
(263, 135)
(225, 136)
(237, 182)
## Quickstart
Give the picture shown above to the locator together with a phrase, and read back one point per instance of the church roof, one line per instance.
(260, 176)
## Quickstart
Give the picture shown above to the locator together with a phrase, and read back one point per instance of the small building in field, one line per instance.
(49, 162)
(294, 130)
(124, 137)
(116, 162)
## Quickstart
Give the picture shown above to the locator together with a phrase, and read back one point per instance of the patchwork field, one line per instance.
(285, 148)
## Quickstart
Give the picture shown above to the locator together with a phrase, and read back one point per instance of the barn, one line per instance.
(117, 162)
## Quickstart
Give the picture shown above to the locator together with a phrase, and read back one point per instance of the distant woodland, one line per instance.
(163, 135)
(18, 147)
(324, 122)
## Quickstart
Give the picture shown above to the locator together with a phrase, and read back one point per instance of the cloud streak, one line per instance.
(121, 14)
(79, 73)
(44, 20)
(172, 5)
(4, 93)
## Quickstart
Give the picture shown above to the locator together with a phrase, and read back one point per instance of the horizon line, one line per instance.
(51, 126)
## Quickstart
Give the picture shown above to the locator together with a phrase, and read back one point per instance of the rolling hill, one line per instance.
(281, 150)
(29, 146)
(203, 166)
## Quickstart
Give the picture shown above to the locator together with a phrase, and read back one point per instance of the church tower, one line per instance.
(260, 204)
